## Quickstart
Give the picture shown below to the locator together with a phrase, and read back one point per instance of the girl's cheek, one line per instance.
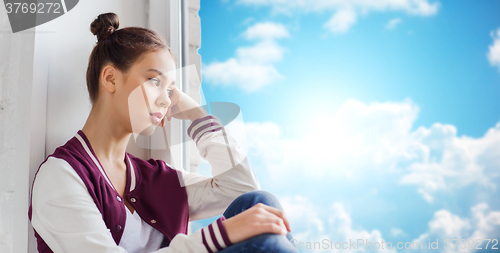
(138, 110)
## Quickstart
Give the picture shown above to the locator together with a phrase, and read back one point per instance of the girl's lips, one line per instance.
(156, 117)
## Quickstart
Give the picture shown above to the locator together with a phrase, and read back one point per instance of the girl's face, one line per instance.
(148, 85)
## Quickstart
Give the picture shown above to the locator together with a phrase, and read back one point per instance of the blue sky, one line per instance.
(438, 61)
(377, 119)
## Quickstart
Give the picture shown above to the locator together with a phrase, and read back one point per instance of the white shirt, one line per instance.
(138, 236)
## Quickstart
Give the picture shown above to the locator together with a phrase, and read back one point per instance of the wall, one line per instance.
(16, 77)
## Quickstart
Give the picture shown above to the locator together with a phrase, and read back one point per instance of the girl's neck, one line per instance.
(106, 135)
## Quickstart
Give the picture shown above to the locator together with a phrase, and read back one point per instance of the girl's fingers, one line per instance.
(168, 113)
(274, 228)
(278, 221)
(280, 214)
(174, 93)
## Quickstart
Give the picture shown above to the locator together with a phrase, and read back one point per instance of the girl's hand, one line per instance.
(183, 106)
(258, 219)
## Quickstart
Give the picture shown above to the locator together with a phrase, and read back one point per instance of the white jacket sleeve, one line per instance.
(231, 171)
(66, 217)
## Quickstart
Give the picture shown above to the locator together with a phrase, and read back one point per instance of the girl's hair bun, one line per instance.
(104, 25)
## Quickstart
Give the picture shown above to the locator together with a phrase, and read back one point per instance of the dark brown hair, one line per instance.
(119, 47)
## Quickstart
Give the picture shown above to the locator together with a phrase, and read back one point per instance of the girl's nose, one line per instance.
(164, 99)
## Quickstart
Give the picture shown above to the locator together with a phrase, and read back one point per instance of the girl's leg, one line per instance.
(264, 242)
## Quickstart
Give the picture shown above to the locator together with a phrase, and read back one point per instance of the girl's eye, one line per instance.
(155, 81)
(169, 91)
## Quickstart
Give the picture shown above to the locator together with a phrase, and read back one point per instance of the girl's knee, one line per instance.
(249, 199)
(260, 196)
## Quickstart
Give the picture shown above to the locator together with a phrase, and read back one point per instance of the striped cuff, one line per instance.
(215, 236)
(203, 125)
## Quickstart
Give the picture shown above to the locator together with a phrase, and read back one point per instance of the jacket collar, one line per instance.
(131, 174)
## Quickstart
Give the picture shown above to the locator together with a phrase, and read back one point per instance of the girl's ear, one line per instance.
(108, 77)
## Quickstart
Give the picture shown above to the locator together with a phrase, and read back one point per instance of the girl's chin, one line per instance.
(148, 130)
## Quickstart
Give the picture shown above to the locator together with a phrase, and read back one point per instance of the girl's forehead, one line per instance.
(159, 63)
(161, 60)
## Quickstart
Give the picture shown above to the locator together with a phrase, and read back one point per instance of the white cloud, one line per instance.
(416, 7)
(341, 21)
(264, 52)
(448, 224)
(326, 226)
(494, 52)
(376, 139)
(253, 67)
(266, 30)
(345, 12)
(452, 162)
(397, 232)
(482, 224)
(392, 23)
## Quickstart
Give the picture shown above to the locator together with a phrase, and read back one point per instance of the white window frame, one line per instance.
(173, 27)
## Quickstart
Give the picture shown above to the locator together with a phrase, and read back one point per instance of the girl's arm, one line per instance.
(232, 174)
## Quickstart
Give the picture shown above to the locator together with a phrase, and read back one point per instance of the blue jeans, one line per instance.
(264, 242)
